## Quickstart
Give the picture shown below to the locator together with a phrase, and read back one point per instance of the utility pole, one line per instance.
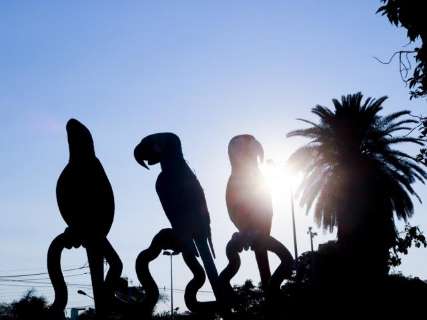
(171, 254)
(293, 226)
(312, 235)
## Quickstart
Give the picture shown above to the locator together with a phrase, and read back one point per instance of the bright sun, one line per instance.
(279, 178)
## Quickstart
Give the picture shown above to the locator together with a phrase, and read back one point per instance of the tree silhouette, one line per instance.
(356, 179)
(28, 307)
(5, 311)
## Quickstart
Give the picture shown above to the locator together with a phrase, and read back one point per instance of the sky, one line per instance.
(204, 70)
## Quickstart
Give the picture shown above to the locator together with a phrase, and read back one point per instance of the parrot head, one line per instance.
(80, 141)
(245, 151)
(158, 147)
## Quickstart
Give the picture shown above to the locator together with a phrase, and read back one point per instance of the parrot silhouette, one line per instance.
(248, 198)
(84, 194)
(182, 197)
(86, 202)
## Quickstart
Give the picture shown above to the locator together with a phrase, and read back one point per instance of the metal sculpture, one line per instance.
(184, 203)
(166, 240)
(256, 242)
(86, 202)
(248, 199)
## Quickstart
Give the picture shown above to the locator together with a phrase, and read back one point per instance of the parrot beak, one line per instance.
(139, 156)
(149, 151)
(259, 151)
(157, 147)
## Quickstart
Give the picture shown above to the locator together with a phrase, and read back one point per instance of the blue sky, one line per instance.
(206, 71)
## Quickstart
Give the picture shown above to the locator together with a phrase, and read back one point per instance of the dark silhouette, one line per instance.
(411, 16)
(413, 236)
(358, 179)
(325, 285)
(86, 202)
(250, 302)
(248, 199)
(29, 307)
(182, 199)
(166, 239)
(258, 242)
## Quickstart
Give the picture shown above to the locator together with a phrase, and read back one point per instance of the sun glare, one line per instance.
(279, 178)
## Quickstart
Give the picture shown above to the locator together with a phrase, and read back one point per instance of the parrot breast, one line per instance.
(85, 199)
(249, 204)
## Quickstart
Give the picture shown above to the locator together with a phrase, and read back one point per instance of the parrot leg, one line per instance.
(114, 271)
(96, 265)
(56, 277)
(261, 256)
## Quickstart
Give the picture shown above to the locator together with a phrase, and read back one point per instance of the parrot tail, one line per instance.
(208, 262)
(263, 266)
(211, 246)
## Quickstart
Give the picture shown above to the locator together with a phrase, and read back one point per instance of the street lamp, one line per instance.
(312, 235)
(171, 254)
(84, 294)
(293, 224)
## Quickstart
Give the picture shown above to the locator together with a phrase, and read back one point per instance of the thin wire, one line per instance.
(46, 278)
(39, 273)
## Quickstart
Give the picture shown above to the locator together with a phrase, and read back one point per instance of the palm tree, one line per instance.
(353, 176)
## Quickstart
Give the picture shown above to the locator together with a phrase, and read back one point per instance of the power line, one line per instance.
(29, 286)
(21, 270)
(40, 273)
(37, 282)
(183, 290)
(46, 278)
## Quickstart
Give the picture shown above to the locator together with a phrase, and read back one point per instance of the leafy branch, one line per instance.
(413, 236)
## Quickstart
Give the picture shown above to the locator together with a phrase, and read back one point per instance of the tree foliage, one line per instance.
(353, 176)
(29, 307)
(410, 14)
(412, 236)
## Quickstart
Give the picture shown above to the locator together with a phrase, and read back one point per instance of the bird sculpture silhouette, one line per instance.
(86, 202)
(248, 199)
(182, 199)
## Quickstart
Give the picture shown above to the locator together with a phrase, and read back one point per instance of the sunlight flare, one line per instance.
(279, 177)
